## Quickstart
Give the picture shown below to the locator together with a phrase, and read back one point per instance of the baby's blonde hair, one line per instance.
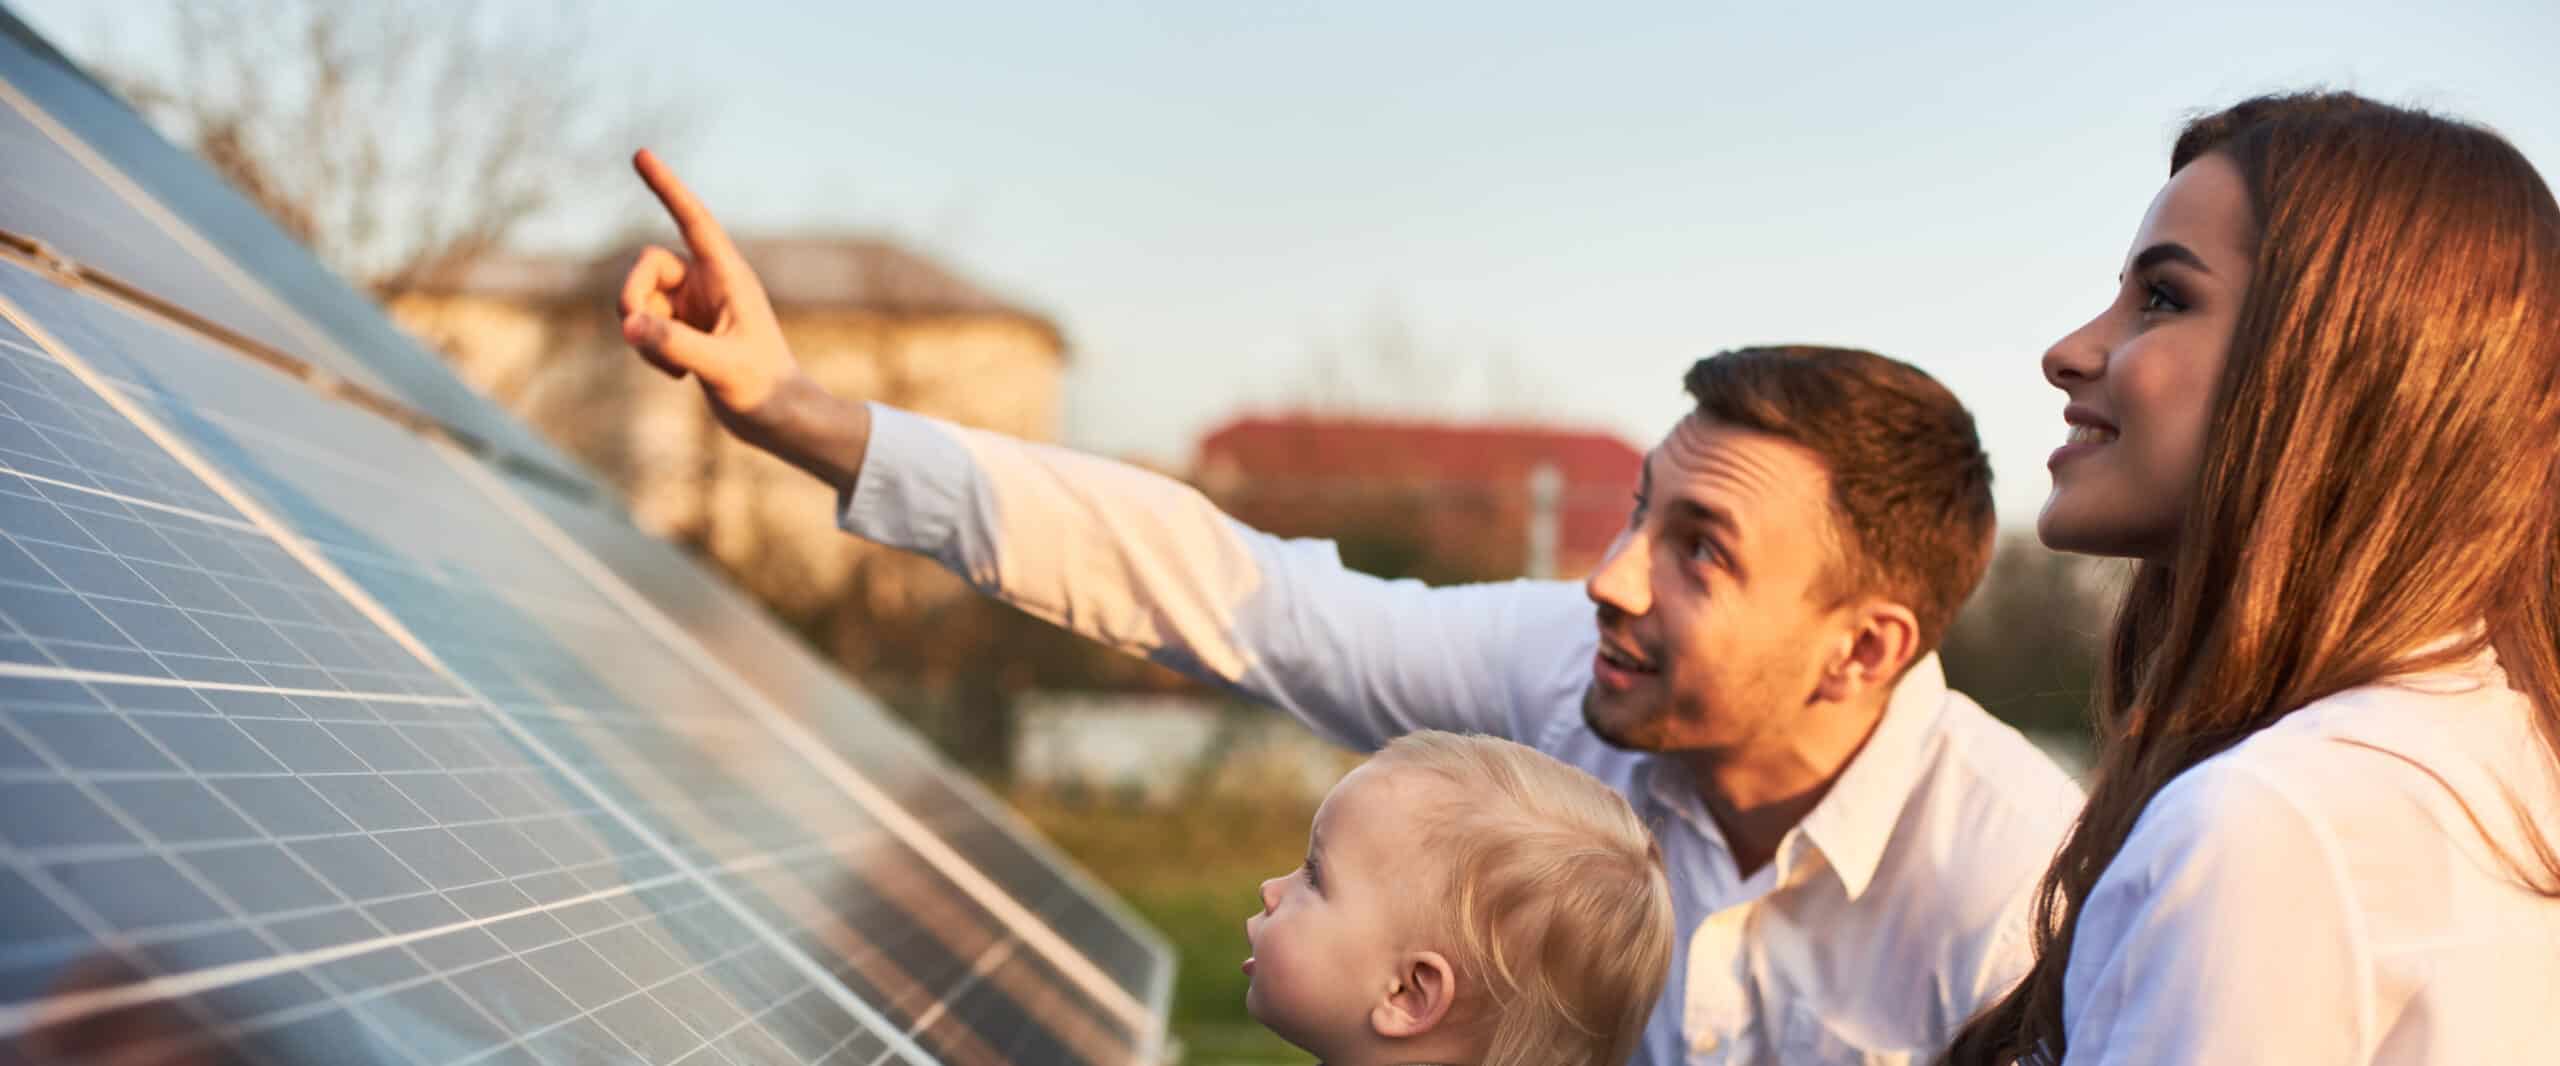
(1555, 899)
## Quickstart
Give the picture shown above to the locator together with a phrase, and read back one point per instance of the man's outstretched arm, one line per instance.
(1132, 559)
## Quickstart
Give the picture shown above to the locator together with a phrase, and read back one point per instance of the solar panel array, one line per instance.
(325, 739)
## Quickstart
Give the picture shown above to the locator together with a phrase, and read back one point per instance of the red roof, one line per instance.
(1598, 470)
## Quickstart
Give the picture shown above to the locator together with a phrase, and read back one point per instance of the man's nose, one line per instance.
(1623, 582)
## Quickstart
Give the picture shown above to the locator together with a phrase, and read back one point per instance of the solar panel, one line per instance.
(321, 741)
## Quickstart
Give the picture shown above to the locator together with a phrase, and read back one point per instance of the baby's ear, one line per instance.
(1418, 998)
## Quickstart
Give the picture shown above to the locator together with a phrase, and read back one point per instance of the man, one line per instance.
(1852, 846)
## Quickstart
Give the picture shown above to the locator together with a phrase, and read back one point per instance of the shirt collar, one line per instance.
(1663, 785)
(1855, 820)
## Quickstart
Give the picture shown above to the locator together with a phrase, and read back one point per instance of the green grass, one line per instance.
(1192, 871)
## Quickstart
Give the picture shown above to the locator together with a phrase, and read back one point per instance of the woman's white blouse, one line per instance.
(2321, 894)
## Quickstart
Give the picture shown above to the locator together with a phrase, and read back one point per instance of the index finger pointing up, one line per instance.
(701, 232)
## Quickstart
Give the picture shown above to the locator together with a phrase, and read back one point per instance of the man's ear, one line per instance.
(1881, 639)
(1418, 998)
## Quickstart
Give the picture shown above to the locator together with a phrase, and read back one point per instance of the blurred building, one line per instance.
(1439, 501)
(867, 317)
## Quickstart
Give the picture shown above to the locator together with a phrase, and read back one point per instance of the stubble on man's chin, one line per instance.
(1616, 736)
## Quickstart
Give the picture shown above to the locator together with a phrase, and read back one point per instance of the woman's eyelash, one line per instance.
(2159, 297)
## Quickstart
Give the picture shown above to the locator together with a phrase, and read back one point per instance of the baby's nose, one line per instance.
(1271, 894)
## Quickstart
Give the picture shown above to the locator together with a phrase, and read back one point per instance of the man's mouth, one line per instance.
(1618, 656)
(1615, 669)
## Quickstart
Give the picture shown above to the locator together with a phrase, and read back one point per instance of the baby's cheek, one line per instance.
(1268, 997)
(1253, 996)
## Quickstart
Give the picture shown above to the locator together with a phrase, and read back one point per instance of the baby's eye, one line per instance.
(1310, 871)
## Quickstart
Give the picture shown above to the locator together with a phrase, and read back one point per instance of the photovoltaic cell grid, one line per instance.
(654, 738)
(180, 805)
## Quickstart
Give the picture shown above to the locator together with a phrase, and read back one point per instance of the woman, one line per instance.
(2323, 412)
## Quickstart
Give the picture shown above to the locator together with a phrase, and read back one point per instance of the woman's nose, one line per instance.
(2078, 357)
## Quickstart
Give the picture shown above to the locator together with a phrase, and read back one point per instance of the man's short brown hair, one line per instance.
(1910, 486)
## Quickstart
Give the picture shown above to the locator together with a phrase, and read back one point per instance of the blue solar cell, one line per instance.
(135, 893)
(335, 1036)
(84, 740)
(259, 871)
(92, 570)
(171, 699)
(283, 806)
(650, 1028)
(374, 805)
(35, 922)
(176, 811)
(261, 997)
(581, 1042)
(179, 954)
(440, 858)
(433, 1022)
(209, 745)
(42, 815)
(19, 566)
(447, 952)
(47, 615)
(360, 867)
(15, 755)
(303, 747)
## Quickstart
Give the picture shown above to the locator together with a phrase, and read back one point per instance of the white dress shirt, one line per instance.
(1897, 909)
(2319, 894)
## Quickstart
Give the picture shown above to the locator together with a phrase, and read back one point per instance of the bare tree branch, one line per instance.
(403, 141)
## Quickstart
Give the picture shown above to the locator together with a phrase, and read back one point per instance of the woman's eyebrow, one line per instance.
(2169, 252)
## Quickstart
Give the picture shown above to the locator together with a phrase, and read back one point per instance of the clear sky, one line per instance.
(1561, 209)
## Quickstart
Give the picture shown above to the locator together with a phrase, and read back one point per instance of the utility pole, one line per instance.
(1546, 504)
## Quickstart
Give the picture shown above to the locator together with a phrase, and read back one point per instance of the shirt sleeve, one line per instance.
(1146, 564)
(2226, 931)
